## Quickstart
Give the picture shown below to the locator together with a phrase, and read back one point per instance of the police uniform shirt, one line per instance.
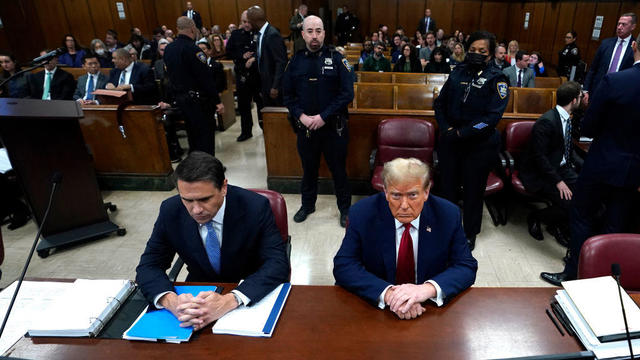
(317, 83)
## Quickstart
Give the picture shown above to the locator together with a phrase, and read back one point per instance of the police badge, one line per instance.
(328, 61)
(503, 89)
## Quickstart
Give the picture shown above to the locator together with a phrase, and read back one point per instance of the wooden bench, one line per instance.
(401, 78)
(283, 165)
(139, 161)
(75, 72)
(550, 82)
(354, 46)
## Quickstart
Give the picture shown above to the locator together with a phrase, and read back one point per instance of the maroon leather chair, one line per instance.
(279, 208)
(402, 138)
(600, 251)
(493, 199)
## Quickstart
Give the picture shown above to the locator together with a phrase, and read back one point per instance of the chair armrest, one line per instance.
(435, 159)
(372, 159)
(510, 162)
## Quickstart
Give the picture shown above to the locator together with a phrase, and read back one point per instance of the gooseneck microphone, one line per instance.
(615, 271)
(56, 179)
(50, 55)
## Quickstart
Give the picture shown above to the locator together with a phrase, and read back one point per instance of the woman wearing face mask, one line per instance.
(104, 57)
(536, 64)
(468, 109)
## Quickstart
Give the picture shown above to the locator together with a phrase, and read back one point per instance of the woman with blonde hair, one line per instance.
(512, 49)
(458, 54)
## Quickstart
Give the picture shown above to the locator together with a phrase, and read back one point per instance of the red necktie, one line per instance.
(405, 271)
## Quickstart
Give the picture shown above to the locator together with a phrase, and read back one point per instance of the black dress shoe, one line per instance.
(558, 235)
(556, 278)
(471, 241)
(244, 137)
(535, 230)
(343, 219)
(302, 214)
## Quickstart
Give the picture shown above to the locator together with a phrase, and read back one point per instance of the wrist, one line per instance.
(168, 301)
(231, 302)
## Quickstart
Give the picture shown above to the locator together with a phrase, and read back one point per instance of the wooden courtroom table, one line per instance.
(330, 323)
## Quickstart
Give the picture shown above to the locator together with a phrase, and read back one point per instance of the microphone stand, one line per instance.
(56, 178)
(615, 269)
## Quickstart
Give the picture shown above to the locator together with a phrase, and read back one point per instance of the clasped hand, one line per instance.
(405, 300)
(201, 310)
(314, 122)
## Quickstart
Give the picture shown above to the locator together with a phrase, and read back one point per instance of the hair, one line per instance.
(157, 31)
(184, 23)
(462, 56)
(520, 54)
(87, 56)
(205, 43)
(430, 32)
(96, 41)
(567, 92)
(75, 42)
(400, 170)
(11, 57)
(123, 52)
(483, 35)
(302, 6)
(573, 33)
(200, 166)
(163, 41)
(437, 50)
(384, 48)
(213, 47)
(538, 55)
(113, 33)
(137, 38)
(634, 18)
(512, 42)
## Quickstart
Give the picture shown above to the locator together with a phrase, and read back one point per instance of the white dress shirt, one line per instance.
(262, 30)
(44, 83)
(127, 75)
(86, 85)
(624, 44)
(190, 14)
(439, 299)
(564, 117)
(217, 222)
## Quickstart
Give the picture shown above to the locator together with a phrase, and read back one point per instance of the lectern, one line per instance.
(43, 137)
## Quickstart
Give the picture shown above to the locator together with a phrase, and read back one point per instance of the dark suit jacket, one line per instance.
(144, 84)
(612, 121)
(366, 261)
(423, 23)
(600, 64)
(252, 248)
(62, 85)
(196, 18)
(273, 58)
(82, 85)
(541, 161)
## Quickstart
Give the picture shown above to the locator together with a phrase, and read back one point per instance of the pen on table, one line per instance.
(563, 320)
(553, 320)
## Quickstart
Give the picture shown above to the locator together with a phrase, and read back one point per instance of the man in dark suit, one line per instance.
(272, 56)
(222, 233)
(295, 26)
(610, 177)
(389, 230)
(549, 165)
(94, 79)
(134, 76)
(614, 54)
(427, 23)
(193, 15)
(51, 84)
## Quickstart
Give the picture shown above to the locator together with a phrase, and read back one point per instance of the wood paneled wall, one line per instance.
(30, 25)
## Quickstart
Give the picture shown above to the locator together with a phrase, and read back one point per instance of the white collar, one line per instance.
(564, 115)
(415, 223)
(264, 27)
(53, 72)
(130, 67)
(625, 39)
(637, 62)
(220, 214)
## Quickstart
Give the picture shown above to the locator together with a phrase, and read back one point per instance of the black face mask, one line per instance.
(475, 60)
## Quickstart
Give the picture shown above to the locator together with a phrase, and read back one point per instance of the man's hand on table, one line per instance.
(198, 311)
(405, 300)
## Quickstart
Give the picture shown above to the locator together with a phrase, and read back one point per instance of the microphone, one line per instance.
(48, 56)
(615, 271)
(56, 179)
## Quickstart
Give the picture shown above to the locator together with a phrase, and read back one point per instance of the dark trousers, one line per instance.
(558, 213)
(467, 163)
(199, 125)
(246, 92)
(268, 101)
(327, 142)
(587, 218)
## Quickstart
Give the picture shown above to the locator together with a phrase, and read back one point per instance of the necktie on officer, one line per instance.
(405, 267)
(47, 85)
(90, 87)
(212, 246)
(616, 58)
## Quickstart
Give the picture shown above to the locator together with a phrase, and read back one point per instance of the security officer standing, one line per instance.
(468, 109)
(569, 56)
(241, 46)
(317, 88)
(193, 86)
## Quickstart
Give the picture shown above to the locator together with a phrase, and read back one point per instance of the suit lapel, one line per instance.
(386, 230)
(426, 241)
(558, 124)
(193, 244)
(233, 216)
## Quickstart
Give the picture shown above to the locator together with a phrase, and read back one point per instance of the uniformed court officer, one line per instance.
(317, 89)
(468, 109)
(569, 56)
(193, 86)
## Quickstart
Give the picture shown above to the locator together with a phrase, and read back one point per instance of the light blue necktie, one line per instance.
(47, 85)
(212, 246)
(90, 88)
(122, 77)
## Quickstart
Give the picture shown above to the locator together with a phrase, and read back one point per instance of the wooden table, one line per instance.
(327, 322)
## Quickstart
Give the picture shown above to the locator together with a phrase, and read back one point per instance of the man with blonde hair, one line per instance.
(405, 246)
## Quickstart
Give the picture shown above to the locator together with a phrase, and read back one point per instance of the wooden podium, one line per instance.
(43, 137)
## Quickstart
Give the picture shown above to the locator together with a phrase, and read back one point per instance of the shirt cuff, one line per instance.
(245, 300)
(381, 303)
(157, 299)
(439, 299)
(131, 88)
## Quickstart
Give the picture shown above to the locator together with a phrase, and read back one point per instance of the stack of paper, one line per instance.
(162, 325)
(593, 308)
(256, 320)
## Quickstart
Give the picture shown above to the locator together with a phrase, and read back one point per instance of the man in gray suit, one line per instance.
(90, 81)
(295, 25)
(520, 75)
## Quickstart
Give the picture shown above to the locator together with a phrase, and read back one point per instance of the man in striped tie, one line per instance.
(223, 233)
(405, 246)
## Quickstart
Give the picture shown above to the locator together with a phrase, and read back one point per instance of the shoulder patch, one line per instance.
(346, 64)
(503, 89)
(201, 56)
(574, 51)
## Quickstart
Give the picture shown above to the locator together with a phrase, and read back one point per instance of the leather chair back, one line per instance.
(405, 138)
(517, 135)
(279, 208)
(599, 252)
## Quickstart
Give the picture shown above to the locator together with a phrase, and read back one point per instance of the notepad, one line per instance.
(258, 320)
(162, 325)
